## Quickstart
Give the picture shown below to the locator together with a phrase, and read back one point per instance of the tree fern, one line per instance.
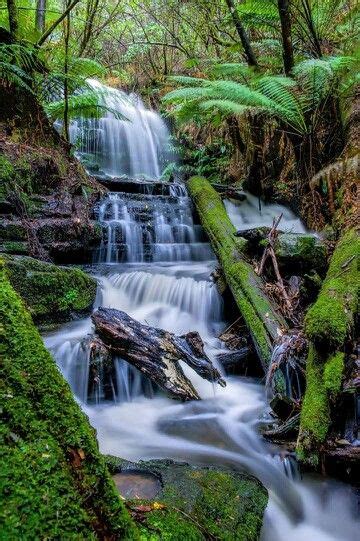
(285, 98)
(89, 104)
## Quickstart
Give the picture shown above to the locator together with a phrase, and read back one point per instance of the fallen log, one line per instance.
(285, 430)
(265, 325)
(155, 352)
(329, 324)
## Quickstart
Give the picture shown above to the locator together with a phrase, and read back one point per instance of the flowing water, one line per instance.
(154, 263)
(253, 212)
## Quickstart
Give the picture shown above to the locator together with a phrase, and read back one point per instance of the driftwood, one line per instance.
(234, 359)
(155, 352)
(286, 430)
(270, 252)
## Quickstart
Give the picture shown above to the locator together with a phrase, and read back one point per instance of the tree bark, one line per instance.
(249, 53)
(155, 352)
(40, 15)
(13, 18)
(56, 23)
(285, 20)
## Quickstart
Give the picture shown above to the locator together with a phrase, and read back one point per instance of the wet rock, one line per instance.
(300, 251)
(192, 502)
(51, 293)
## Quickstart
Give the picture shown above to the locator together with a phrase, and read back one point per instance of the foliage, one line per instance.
(296, 102)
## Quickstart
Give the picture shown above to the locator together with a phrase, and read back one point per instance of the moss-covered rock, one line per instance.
(51, 293)
(263, 322)
(305, 252)
(198, 503)
(54, 483)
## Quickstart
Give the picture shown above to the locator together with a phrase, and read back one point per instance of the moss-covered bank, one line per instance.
(198, 503)
(263, 322)
(54, 482)
(51, 293)
(328, 325)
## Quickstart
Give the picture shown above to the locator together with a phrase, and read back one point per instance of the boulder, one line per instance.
(51, 293)
(300, 251)
(191, 502)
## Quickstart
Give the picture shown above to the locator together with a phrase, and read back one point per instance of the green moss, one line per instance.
(53, 479)
(16, 247)
(201, 503)
(301, 250)
(50, 292)
(329, 320)
(243, 282)
(333, 372)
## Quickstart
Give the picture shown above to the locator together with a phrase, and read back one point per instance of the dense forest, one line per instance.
(179, 261)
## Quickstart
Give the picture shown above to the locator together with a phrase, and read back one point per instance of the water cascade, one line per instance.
(137, 143)
(155, 264)
(253, 212)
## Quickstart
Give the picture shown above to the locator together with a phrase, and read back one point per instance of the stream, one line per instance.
(154, 263)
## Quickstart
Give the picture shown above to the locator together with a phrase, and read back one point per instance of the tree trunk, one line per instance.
(285, 20)
(155, 352)
(249, 53)
(13, 18)
(66, 131)
(261, 318)
(328, 324)
(40, 15)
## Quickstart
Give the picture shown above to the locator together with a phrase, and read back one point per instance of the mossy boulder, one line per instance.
(197, 503)
(51, 293)
(54, 483)
(300, 251)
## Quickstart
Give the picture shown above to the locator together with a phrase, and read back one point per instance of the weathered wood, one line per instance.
(286, 430)
(261, 318)
(234, 359)
(156, 352)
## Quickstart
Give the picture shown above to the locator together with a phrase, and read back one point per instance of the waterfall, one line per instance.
(135, 145)
(150, 228)
(154, 263)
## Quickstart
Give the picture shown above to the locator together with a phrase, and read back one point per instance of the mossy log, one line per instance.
(155, 352)
(263, 322)
(51, 293)
(328, 325)
(54, 482)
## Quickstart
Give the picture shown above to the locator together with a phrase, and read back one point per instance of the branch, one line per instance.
(56, 23)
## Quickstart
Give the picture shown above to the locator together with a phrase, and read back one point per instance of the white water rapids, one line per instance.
(155, 265)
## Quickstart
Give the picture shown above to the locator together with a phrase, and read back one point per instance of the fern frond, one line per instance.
(86, 105)
(227, 107)
(188, 94)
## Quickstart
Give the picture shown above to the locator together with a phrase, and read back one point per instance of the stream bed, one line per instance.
(155, 263)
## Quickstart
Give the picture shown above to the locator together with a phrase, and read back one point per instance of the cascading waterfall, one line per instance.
(137, 144)
(154, 263)
(253, 212)
(150, 228)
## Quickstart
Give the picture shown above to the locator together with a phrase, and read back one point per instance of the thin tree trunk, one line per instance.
(285, 19)
(40, 15)
(66, 82)
(56, 23)
(249, 53)
(13, 18)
